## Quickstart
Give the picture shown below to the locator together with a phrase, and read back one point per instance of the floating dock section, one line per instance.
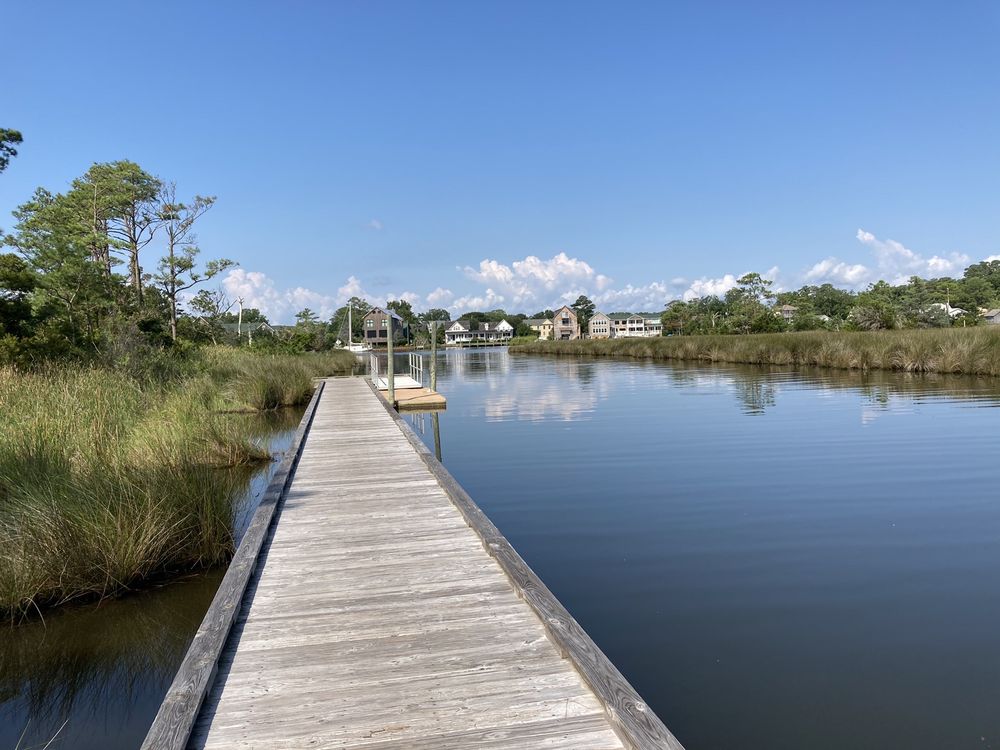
(373, 605)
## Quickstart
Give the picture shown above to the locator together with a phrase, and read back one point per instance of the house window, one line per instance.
(370, 323)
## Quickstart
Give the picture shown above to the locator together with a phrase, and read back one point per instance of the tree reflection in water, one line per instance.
(106, 664)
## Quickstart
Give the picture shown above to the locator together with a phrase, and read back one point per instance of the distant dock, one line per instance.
(372, 604)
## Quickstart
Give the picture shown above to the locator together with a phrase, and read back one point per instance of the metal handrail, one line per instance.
(417, 368)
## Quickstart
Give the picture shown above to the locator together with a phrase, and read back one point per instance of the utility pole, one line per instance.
(239, 321)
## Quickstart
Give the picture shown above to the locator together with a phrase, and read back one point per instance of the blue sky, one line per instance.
(507, 154)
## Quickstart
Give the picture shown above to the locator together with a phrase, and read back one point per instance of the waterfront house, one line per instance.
(461, 332)
(991, 317)
(565, 326)
(652, 324)
(624, 325)
(600, 327)
(376, 325)
(541, 326)
(619, 324)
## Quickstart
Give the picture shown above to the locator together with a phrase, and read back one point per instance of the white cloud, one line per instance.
(893, 262)
(645, 298)
(837, 272)
(488, 301)
(258, 290)
(706, 287)
(415, 300)
(440, 297)
(533, 281)
(897, 263)
(374, 224)
(353, 288)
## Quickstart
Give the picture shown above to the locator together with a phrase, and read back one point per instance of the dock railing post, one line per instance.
(434, 365)
(388, 368)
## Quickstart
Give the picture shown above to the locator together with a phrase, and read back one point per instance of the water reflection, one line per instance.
(781, 548)
(104, 667)
(572, 389)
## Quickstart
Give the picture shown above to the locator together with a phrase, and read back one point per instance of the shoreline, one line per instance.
(951, 351)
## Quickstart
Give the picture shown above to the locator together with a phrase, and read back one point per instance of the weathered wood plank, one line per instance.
(176, 717)
(377, 620)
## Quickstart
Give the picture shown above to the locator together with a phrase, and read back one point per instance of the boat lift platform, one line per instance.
(410, 393)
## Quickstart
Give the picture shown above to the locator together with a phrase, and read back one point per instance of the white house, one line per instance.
(461, 332)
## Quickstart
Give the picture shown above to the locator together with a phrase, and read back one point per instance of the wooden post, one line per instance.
(434, 364)
(437, 435)
(389, 379)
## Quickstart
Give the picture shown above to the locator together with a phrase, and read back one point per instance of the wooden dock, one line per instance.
(373, 605)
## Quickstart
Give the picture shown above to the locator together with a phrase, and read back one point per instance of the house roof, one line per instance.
(619, 315)
(952, 311)
(992, 313)
(537, 321)
(789, 308)
(384, 311)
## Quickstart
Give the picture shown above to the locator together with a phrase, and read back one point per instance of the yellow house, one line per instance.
(542, 326)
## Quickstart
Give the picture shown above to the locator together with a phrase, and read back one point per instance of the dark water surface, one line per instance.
(93, 676)
(774, 559)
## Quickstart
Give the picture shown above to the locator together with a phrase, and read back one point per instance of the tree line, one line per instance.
(80, 277)
(752, 307)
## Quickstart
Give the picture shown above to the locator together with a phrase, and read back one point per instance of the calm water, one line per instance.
(94, 676)
(774, 559)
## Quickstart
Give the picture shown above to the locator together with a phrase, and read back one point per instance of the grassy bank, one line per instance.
(109, 479)
(971, 351)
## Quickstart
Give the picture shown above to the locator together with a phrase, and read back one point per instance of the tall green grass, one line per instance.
(971, 351)
(107, 481)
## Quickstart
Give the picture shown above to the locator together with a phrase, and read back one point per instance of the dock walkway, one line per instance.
(383, 615)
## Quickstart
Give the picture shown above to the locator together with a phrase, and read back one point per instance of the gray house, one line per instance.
(377, 324)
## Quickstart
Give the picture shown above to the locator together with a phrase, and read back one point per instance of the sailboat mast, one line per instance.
(350, 325)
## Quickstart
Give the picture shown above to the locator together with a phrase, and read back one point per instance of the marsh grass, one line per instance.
(107, 482)
(970, 351)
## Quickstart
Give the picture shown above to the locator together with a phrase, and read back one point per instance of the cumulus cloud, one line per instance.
(352, 288)
(837, 272)
(440, 297)
(415, 300)
(279, 305)
(533, 281)
(707, 287)
(897, 263)
(490, 300)
(893, 262)
(645, 297)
